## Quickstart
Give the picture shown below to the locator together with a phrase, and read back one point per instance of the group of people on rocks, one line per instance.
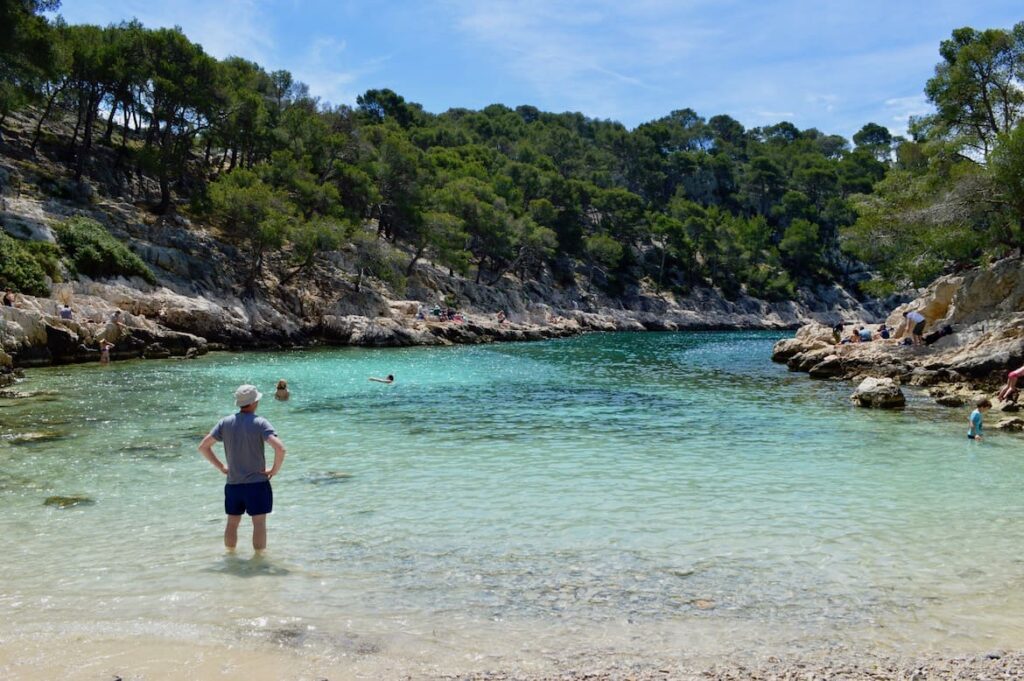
(442, 314)
(913, 334)
(913, 331)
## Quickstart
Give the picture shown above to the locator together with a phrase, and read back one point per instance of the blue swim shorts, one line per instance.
(254, 498)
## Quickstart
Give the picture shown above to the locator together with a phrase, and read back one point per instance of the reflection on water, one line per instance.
(641, 492)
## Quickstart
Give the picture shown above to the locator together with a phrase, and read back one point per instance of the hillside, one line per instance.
(200, 287)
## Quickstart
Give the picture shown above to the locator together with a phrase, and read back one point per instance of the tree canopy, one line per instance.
(679, 201)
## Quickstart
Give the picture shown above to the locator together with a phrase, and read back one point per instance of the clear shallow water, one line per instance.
(647, 494)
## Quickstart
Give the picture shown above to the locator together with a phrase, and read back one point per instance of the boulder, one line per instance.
(879, 393)
(156, 351)
(830, 367)
(1013, 425)
(786, 348)
(951, 400)
(924, 377)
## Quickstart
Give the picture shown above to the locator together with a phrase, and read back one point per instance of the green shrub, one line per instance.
(47, 255)
(19, 270)
(93, 251)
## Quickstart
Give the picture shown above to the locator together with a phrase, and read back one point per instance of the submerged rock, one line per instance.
(879, 393)
(30, 437)
(329, 478)
(68, 502)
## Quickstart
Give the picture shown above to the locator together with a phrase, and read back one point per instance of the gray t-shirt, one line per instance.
(243, 436)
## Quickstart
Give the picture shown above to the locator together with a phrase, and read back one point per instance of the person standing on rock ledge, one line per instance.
(248, 479)
(917, 331)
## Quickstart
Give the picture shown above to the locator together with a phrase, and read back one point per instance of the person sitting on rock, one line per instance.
(9, 299)
(282, 393)
(502, 317)
(389, 379)
(865, 334)
(66, 312)
(977, 416)
(1010, 389)
(883, 332)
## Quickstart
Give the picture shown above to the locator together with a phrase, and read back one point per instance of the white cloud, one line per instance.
(322, 68)
(900, 109)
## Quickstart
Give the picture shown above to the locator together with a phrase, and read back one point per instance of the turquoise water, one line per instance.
(649, 494)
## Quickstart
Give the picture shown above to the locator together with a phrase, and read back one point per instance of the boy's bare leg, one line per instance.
(259, 532)
(231, 531)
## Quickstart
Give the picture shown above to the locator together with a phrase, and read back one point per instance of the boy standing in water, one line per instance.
(248, 485)
(976, 419)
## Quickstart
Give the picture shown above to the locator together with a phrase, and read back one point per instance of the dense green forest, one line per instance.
(677, 202)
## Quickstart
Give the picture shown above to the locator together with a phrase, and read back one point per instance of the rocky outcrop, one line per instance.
(982, 308)
(33, 334)
(878, 393)
(1013, 425)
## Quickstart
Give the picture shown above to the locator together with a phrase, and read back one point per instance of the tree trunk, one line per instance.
(415, 258)
(90, 118)
(108, 134)
(165, 193)
(124, 128)
(78, 124)
(42, 119)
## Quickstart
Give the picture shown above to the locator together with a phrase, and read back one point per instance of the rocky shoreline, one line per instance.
(983, 310)
(164, 324)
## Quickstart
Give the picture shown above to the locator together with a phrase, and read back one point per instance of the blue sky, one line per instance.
(829, 64)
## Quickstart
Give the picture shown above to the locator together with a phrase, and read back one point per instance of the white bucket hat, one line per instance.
(246, 395)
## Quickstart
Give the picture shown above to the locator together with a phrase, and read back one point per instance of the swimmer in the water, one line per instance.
(282, 393)
(390, 379)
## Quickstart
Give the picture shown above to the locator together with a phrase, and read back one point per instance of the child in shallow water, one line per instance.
(977, 416)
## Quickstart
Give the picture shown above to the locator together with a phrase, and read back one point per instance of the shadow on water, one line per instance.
(254, 566)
